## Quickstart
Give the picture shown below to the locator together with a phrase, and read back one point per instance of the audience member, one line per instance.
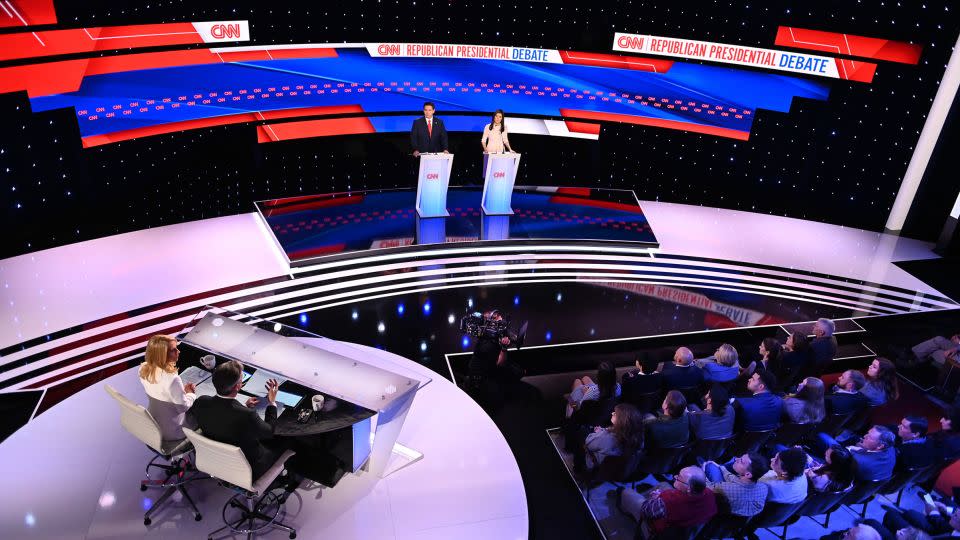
(643, 380)
(824, 345)
(770, 352)
(741, 488)
(806, 406)
(624, 436)
(716, 421)
(785, 478)
(938, 349)
(861, 531)
(671, 428)
(836, 474)
(937, 520)
(762, 410)
(875, 455)
(797, 358)
(946, 442)
(687, 502)
(584, 389)
(682, 372)
(723, 366)
(168, 397)
(846, 398)
(914, 450)
(881, 385)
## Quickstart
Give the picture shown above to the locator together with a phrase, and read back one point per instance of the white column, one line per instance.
(927, 142)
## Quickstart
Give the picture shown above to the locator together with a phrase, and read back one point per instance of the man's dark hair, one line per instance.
(859, 381)
(676, 404)
(429, 104)
(697, 485)
(918, 425)
(759, 466)
(226, 375)
(768, 379)
(793, 462)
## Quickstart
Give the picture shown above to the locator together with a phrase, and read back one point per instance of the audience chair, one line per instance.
(709, 449)
(660, 461)
(862, 493)
(673, 533)
(902, 480)
(259, 506)
(775, 514)
(833, 424)
(790, 433)
(615, 469)
(748, 441)
(928, 479)
(860, 420)
(138, 421)
(816, 503)
(693, 394)
(724, 525)
(648, 402)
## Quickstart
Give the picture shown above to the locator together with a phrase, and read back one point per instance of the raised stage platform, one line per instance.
(342, 225)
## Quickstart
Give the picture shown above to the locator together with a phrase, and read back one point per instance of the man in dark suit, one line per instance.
(845, 397)
(428, 133)
(682, 372)
(937, 521)
(913, 450)
(824, 345)
(223, 419)
(762, 410)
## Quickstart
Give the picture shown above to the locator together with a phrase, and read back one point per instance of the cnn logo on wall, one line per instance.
(223, 31)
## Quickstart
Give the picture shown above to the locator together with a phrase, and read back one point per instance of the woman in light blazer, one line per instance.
(169, 397)
(494, 139)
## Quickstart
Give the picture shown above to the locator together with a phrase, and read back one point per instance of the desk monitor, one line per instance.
(288, 399)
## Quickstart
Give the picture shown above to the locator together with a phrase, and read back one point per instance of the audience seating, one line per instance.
(903, 479)
(816, 503)
(791, 433)
(748, 441)
(708, 449)
(862, 493)
(775, 514)
(661, 461)
(723, 525)
(833, 424)
(648, 402)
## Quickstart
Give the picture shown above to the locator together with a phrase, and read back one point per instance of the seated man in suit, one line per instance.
(913, 450)
(875, 456)
(823, 346)
(846, 398)
(671, 428)
(762, 410)
(643, 380)
(428, 133)
(682, 372)
(860, 531)
(937, 520)
(223, 419)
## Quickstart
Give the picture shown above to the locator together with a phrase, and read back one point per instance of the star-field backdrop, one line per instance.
(839, 160)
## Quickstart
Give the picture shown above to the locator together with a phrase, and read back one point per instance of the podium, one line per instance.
(432, 184)
(499, 173)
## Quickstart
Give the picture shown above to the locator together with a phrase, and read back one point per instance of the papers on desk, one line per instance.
(194, 375)
(257, 384)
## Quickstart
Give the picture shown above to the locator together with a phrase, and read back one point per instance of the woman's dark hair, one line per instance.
(503, 121)
(811, 395)
(887, 377)
(628, 427)
(676, 404)
(800, 342)
(840, 467)
(719, 399)
(774, 350)
(606, 379)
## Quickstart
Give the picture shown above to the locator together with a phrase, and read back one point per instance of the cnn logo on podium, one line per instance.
(433, 176)
(499, 174)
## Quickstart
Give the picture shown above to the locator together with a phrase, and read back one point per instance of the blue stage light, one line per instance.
(423, 346)
(354, 315)
(516, 300)
(400, 309)
(426, 308)
(303, 318)
(549, 335)
(465, 342)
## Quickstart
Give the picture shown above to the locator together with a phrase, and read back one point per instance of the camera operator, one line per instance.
(488, 367)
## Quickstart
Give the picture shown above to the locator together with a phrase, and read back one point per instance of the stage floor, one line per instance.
(335, 224)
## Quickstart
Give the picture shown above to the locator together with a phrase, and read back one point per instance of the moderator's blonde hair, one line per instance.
(156, 358)
(727, 355)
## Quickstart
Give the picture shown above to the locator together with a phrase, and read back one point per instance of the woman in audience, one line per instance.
(584, 389)
(169, 397)
(671, 429)
(723, 367)
(836, 474)
(882, 385)
(624, 436)
(946, 442)
(717, 419)
(797, 358)
(806, 406)
(770, 352)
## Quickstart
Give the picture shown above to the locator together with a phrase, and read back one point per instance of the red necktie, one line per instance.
(429, 129)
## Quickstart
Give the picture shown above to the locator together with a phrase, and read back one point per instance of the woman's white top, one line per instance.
(493, 140)
(168, 388)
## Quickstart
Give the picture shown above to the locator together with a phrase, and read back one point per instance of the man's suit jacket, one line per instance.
(915, 454)
(874, 465)
(422, 140)
(675, 376)
(226, 420)
(843, 403)
(824, 351)
(759, 412)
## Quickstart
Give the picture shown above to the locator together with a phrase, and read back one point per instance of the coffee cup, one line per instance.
(209, 361)
(317, 402)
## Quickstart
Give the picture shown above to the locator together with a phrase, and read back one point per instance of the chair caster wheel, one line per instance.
(146, 521)
(197, 517)
(143, 487)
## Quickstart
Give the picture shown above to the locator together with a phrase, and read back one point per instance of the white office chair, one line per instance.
(259, 507)
(141, 424)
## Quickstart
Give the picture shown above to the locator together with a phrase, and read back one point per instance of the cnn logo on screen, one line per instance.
(225, 31)
(215, 31)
